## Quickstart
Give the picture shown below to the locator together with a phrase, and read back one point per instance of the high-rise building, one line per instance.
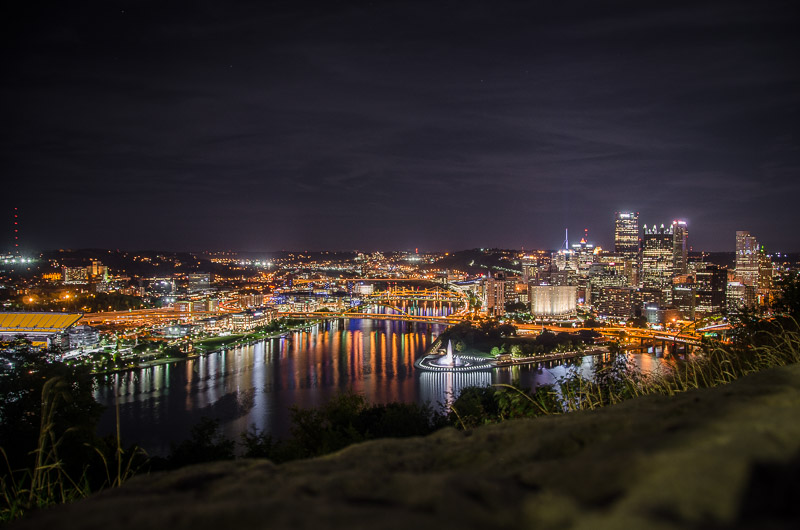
(712, 282)
(615, 302)
(680, 249)
(684, 296)
(765, 286)
(626, 233)
(529, 268)
(74, 275)
(739, 295)
(657, 258)
(98, 271)
(585, 253)
(494, 296)
(550, 301)
(747, 258)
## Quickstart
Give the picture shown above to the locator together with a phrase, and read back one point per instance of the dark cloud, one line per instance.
(257, 125)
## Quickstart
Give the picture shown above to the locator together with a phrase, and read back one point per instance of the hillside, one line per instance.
(721, 457)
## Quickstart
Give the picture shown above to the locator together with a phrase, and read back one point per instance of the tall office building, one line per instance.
(680, 248)
(585, 253)
(747, 258)
(494, 296)
(765, 288)
(712, 282)
(657, 258)
(530, 267)
(626, 233)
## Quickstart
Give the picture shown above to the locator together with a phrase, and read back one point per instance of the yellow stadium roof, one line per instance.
(37, 322)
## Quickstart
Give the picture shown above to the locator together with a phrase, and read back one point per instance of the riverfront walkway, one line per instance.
(547, 357)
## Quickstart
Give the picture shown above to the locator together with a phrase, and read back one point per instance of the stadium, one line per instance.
(42, 329)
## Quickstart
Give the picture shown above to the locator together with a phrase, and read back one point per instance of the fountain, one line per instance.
(448, 359)
(451, 363)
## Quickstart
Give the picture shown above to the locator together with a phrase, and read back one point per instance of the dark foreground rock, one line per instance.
(721, 457)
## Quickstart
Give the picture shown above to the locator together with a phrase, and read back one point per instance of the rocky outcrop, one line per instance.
(720, 457)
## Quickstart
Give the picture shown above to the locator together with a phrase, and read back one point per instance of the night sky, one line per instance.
(394, 125)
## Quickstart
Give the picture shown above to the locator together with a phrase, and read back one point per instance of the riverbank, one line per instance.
(718, 457)
(546, 357)
(503, 361)
(241, 340)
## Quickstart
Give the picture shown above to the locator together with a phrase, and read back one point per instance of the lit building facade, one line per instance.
(680, 247)
(765, 289)
(584, 254)
(494, 296)
(614, 302)
(657, 258)
(199, 281)
(81, 336)
(711, 285)
(74, 275)
(626, 233)
(553, 301)
(739, 295)
(747, 257)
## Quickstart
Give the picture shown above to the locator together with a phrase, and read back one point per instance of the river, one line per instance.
(257, 384)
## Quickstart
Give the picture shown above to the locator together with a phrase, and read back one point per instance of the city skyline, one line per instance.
(261, 127)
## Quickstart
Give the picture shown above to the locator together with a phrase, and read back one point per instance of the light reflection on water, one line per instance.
(257, 384)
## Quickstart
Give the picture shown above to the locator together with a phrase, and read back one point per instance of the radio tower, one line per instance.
(566, 239)
(16, 232)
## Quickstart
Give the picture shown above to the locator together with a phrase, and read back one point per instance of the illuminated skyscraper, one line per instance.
(747, 258)
(494, 302)
(657, 258)
(626, 233)
(680, 248)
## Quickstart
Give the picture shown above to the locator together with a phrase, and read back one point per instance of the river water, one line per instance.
(257, 384)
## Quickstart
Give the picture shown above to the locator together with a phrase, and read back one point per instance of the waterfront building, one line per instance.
(254, 300)
(216, 324)
(363, 289)
(553, 301)
(252, 319)
(626, 233)
(82, 336)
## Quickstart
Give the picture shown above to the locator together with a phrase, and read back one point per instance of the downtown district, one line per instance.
(110, 306)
